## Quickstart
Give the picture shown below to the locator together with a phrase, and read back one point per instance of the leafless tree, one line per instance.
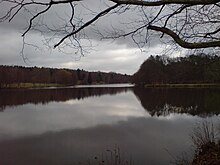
(191, 24)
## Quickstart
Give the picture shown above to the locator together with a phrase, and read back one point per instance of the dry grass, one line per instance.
(203, 134)
(205, 138)
(109, 157)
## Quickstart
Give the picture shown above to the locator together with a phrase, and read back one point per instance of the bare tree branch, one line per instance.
(192, 24)
(104, 12)
(35, 16)
(183, 43)
(165, 2)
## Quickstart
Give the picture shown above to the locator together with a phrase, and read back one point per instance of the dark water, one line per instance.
(81, 125)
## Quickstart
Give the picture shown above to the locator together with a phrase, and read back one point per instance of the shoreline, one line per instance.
(205, 85)
(54, 85)
(39, 85)
(30, 85)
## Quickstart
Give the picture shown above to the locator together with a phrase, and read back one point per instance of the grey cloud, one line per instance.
(106, 56)
(121, 55)
(58, 15)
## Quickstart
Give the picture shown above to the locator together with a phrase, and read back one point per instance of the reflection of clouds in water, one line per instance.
(145, 139)
(76, 130)
(45, 95)
(128, 113)
(176, 116)
(31, 119)
(56, 116)
(71, 102)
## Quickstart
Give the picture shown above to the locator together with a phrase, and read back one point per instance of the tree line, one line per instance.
(193, 69)
(19, 74)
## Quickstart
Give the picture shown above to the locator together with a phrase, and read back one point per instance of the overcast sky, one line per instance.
(121, 56)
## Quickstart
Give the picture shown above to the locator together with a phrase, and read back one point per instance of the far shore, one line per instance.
(199, 85)
(56, 85)
(43, 85)
(30, 85)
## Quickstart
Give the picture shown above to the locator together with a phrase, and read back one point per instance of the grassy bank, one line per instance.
(31, 85)
(205, 85)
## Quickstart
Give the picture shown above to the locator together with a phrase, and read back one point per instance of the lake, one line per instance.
(86, 124)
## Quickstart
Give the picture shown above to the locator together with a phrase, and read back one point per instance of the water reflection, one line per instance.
(67, 126)
(31, 119)
(156, 101)
(146, 141)
(165, 101)
(44, 96)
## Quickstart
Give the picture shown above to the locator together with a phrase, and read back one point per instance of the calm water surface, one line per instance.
(83, 124)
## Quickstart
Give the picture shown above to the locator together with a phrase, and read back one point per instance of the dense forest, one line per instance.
(18, 74)
(193, 69)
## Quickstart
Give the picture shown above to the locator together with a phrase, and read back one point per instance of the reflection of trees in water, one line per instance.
(43, 96)
(195, 101)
